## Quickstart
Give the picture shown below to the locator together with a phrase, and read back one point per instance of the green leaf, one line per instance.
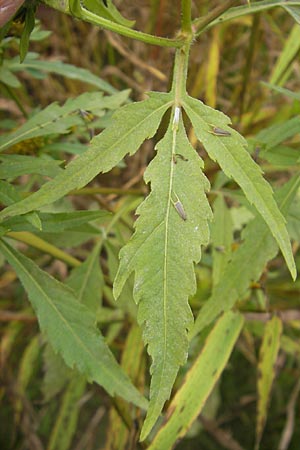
(266, 372)
(70, 327)
(58, 222)
(247, 263)
(108, 11)
(283, 91)
(28, 27)
(132, 125)
(199, 381)
(87, 281)
(287, 56)
(254, 7)
(161, 253)
(60, 68)
(10, 195)
(276, 134)
(229, 151)
(12, 166)
(8, 78)
(58, 119)
(294, 11)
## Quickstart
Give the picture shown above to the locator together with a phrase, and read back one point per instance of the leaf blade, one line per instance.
(133, 124)
(69, 325)
(266, 371)
(247, 263)
(174, 244)
(236, 163)
(200, 379)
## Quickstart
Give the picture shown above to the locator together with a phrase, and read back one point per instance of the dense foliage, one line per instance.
(194, 265)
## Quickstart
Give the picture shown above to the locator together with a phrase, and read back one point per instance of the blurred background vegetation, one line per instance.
(43, 404)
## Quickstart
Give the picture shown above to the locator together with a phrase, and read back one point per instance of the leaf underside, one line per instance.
(230, 153)
(162, 253)
(132, 124)
(70, 327)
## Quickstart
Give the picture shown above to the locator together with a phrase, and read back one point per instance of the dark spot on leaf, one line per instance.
(259, 374)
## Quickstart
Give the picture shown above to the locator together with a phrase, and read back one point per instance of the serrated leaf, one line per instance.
(70, 327)
(12, 166)
(229, 151)
(87, 281)
(247, 263)
(266, 371)
(199, 381)
(162, 252)
(56, 119)
(60, 68)
(132, 125)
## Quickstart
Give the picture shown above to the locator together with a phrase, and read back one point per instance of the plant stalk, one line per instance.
(93, 18)
(186, 21)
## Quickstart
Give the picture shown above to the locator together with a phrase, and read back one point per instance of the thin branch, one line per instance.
(186, 21)
(290, 420)
(200, 24)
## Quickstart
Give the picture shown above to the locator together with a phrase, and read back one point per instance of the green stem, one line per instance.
(74, 8)
(186, 21)
(180, 74)
(36, 242)
(128, 32)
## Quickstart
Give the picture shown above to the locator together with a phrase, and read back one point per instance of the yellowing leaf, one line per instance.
(266, 371)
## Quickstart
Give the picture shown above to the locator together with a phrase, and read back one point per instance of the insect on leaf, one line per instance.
(161, 252)
(235, 161)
